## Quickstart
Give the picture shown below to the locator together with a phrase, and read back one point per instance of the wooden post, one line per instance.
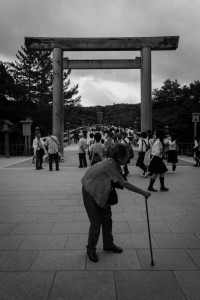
(58, 109)
(7, 152)
(146, 102)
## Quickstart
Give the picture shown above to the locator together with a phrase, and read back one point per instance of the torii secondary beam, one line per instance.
(102, 64)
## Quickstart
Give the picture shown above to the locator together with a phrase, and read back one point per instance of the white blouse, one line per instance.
(157, 148)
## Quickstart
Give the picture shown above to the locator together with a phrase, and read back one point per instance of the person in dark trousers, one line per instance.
(96, 188)
(82, 150)
(52, 143)
(196, 150)
(172, 152)
(157, 165)
(142, 148)
(39, 150)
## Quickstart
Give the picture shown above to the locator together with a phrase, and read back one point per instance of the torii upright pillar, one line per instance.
(146, 103)
(58, 107)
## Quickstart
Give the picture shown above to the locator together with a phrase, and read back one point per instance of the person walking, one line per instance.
(196, 150)
(97, 149)
(82, 143)
(52, 144)
(96, 188)
(125, 141)
(109, 142)
(39, 150)
(172, 152)
(89, 143)
(142, 149)
(157, 165)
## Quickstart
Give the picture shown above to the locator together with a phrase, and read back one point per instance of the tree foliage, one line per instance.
(173, 105)
(33, 73)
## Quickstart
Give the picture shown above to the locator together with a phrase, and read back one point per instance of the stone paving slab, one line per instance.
(166, 259)
(190, 283)
(16, 260)
(195, 255)
(87, 285)
(25, 285)
(141, 227)
(149, 285)
(127, 260)
(177, 240)
(41, 242)
(11, 242)
(57, 260)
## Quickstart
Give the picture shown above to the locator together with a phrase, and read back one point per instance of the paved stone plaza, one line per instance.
(44, 229)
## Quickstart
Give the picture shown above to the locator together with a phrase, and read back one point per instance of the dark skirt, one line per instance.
(140, 160)
(157, 165)
(172, 156)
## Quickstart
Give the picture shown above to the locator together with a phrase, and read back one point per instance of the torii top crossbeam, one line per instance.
(103, 44)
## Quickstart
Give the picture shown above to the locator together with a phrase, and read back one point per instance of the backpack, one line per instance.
(95, 158)
(147, 158)
(130, 150)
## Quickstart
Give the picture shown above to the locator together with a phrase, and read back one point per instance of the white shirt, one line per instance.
(82, 145)
(38, 144)
(172, 145)
(157, 148)
(142, 145)
(52, 143)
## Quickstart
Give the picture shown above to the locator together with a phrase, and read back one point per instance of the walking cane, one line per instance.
(152, 262)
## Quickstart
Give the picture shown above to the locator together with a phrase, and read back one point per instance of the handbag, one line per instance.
(113, 198)
(95, 158)
(130, 150)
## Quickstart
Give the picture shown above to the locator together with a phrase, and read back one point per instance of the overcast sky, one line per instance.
(109, 18)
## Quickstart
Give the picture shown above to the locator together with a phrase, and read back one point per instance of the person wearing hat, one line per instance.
(82, 150)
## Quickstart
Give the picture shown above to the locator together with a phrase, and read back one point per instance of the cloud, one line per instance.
(97, 91)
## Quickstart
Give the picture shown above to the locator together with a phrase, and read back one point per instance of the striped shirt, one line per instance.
(52, 143)
(97, 180)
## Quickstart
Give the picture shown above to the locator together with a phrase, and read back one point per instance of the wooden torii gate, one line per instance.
(143, 44)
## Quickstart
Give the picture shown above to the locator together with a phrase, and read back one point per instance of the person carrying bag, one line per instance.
(52, 144)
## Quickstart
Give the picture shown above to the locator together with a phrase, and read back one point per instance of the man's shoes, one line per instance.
(92, 256)
(151, 189)
(80, 166)
(164, 189)
(114, 248)
(41, 168)
(57, 169)
(50, 170)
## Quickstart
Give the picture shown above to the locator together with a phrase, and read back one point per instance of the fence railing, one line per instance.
(14, 149)
(185, 148)
(18, 149)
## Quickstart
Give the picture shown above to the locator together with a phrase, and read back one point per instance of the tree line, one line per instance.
(26, 91)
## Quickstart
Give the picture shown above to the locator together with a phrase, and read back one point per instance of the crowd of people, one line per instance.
(98, 142)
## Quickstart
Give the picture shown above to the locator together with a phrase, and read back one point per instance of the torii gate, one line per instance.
(143, 44)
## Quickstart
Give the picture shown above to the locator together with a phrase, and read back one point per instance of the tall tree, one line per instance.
(8, 89)
(33, 72)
